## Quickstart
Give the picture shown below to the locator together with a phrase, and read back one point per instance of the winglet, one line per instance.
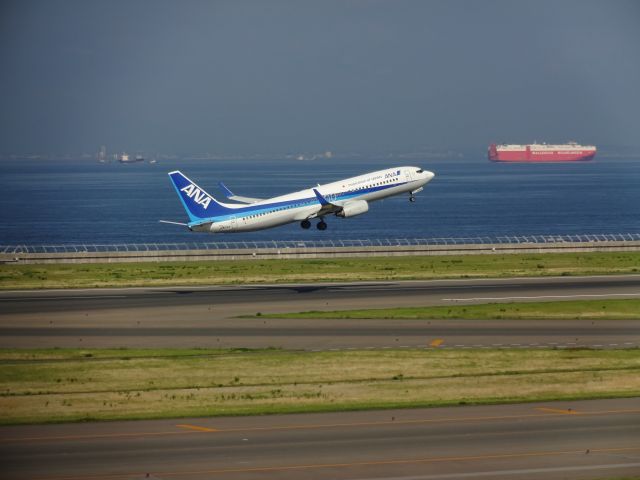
(321, 199)
(227, 193)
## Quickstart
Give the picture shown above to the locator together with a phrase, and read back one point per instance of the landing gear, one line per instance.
(322, 225)
(412, 194)
(305, 224)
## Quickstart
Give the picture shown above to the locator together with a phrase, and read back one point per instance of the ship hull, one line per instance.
(546, 155)
(559, 157)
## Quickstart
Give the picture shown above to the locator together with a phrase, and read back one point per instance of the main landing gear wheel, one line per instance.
(321, 225)
(305, 224)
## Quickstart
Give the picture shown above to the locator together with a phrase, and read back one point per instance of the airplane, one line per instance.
(343, 198)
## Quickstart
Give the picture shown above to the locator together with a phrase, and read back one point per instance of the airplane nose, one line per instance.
(429, 175)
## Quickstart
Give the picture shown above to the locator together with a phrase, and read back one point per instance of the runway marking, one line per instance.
(197, 428)
(281, 468)
(594, 295)
(437, 342)
(321, 426)
(558, 410)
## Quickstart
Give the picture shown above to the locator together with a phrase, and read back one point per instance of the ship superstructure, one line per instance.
(126, 158)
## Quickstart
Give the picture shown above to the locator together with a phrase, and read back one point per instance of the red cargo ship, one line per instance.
(541, 152)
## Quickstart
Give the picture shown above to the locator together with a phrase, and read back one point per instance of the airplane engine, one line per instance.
(351, 209)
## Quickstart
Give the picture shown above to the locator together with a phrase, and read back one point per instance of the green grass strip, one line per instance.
(622, 309)
(66, 385)
(15, 276)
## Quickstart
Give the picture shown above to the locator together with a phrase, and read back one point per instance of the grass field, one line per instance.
(314, 270)
(622, 309)
(39, 386)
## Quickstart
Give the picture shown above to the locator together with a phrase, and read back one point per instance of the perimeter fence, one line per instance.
(313, 244)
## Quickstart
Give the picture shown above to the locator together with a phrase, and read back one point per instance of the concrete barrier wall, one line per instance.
(308, 252)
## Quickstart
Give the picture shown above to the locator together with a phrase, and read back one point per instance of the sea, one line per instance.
(83, 202)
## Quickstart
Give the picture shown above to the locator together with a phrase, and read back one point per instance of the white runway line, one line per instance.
(513, 473)
(479, 346)
(593, 295)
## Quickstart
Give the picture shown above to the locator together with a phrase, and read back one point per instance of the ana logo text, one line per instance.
(197, 195)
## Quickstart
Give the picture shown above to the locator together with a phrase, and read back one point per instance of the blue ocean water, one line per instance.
(76, 202)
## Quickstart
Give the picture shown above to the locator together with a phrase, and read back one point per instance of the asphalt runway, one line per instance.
(577, 440)
(206, 316)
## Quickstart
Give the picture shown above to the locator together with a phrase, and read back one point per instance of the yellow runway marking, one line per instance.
(437, 342)
(197, 428)
(282, 468)
(558, 410)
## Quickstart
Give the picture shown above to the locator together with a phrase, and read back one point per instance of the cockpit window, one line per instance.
(419, 171)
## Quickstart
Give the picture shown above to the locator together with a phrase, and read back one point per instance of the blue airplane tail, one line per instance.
(198, 203)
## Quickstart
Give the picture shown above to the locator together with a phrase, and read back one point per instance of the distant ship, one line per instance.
(102, 154)
(541, 152)
(125, 158)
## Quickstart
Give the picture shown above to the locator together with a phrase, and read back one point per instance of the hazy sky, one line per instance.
(283, 76)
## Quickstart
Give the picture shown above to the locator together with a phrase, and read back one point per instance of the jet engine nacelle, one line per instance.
(354, 208)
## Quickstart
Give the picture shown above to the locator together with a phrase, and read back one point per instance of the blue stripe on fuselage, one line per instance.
(243, 212)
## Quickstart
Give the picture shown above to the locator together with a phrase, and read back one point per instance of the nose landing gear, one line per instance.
(412, 194)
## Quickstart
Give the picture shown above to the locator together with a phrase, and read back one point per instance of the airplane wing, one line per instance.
(237, 198)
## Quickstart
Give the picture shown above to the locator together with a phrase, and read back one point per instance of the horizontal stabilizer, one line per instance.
(174, 223)
(237, 198)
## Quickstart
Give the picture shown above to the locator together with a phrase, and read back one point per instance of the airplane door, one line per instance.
(407, 174)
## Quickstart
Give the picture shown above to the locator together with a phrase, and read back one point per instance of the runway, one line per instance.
(578, 440)
(207, 316)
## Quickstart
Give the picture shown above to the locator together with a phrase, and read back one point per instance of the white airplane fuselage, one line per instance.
(343, 198)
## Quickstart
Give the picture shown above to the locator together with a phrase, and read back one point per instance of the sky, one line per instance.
(244, 77)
